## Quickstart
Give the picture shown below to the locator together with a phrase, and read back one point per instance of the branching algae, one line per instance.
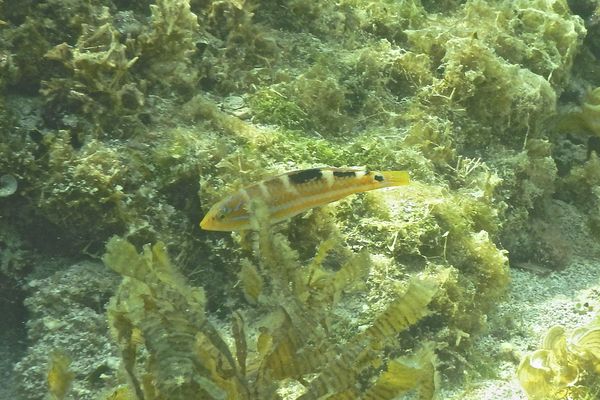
(171, 350)
(155, 308)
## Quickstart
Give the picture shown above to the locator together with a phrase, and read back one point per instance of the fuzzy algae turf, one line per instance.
(116, 122)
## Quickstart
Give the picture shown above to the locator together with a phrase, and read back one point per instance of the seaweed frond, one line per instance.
(566, 365)
(59, 375)
(170, 350)
(154, 308)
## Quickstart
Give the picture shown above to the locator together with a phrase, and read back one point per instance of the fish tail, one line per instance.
(396, 178)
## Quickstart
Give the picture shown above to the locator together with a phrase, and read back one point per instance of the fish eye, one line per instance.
(223, 211)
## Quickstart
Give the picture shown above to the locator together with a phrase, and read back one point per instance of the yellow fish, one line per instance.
(293, 192)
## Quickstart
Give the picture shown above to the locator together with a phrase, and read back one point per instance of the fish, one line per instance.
(291, 193)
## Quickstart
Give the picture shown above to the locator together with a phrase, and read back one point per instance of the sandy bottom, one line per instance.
(570, 297)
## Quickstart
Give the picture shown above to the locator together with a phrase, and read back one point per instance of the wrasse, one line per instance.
(293, 192)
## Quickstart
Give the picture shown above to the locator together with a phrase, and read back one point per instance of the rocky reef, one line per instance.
(122, 122)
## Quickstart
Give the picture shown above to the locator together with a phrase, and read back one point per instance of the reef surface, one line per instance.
(123, 122)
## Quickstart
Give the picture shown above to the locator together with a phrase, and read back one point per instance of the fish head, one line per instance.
(230, 214)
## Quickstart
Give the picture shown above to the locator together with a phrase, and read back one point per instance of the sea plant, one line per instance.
(566, 365)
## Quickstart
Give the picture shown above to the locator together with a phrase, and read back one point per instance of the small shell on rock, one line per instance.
(232, 103)
(8, 185)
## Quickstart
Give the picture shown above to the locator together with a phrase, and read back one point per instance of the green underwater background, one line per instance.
(123, 121)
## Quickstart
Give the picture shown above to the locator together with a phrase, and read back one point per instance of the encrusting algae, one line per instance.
(291, 193)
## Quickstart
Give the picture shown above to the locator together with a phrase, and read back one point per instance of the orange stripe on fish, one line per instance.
(291, 193)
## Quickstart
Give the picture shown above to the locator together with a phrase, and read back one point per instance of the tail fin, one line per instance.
(396, 178)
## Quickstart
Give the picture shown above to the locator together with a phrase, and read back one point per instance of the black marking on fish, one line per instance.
(379, 178)
(305, 176)
(344, 174)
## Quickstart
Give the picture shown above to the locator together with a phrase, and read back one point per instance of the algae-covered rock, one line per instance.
(66, 315)
(120, 118)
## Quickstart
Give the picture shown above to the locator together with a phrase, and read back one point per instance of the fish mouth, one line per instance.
(204, 224)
